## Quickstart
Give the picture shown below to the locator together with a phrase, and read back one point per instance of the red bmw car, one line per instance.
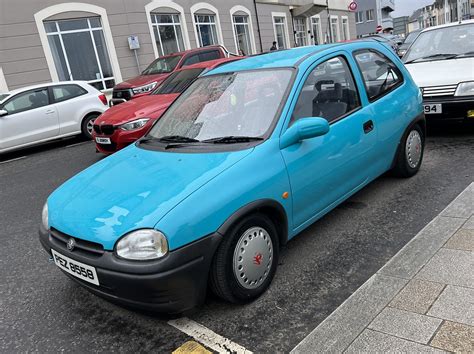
(123, 124)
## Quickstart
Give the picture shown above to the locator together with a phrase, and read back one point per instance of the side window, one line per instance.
(193, 59)
(206, 56)
(27, 100)
(66, 92)
(329, 92)
(380, 74)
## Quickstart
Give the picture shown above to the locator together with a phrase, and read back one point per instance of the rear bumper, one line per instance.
(454, 108)
(173, 284)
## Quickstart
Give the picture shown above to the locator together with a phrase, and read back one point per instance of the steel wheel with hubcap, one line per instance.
(246, 260)
(410, 153)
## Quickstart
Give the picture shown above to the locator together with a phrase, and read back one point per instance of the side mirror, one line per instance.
(3, 113)
(304, 128)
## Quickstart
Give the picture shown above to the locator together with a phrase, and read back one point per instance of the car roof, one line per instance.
(210, 64)
(200, 49)
(452, 24)
(45, 84)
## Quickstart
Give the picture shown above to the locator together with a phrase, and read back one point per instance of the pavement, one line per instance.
(422, 300)
(42, 310)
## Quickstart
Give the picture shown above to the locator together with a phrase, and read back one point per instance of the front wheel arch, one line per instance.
(84, 122)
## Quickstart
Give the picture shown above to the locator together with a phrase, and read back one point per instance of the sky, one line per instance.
(406, 7)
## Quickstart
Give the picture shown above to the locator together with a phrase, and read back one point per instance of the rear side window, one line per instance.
(178, 81)
(66, 92)
(193, 59)
(204, 56)
(27, 100)
(380, 74)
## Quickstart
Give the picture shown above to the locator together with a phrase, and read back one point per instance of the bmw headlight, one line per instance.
(136, 124)
(465, 89)
(44, 216)
(144, 88)
(142, 244)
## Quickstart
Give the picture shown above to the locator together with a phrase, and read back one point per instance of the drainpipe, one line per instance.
(293, 27)
(258, 26)
(329, 29)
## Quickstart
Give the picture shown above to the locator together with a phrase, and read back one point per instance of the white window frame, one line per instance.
(320, 31)
(286, 32)
(205, 6)
(304, 32)
(348, 31)
(47, 12)
(373, 17)
(240, 8)
(338, 34)
(362, 16)
(170, 4)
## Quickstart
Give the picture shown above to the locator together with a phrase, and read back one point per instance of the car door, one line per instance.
(30, 118)
(70, 101)
(324, 170)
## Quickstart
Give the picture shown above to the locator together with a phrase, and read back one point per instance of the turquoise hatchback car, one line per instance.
(251, 154)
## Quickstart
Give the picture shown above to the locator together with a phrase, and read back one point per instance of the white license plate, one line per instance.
(433, 108)
(78, 269)
(102, 140)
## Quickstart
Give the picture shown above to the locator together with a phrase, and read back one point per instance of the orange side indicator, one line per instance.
(285, 195)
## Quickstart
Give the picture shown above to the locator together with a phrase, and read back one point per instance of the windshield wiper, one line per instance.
(465, 55)
(232, 139)
(177, 139)
(434, 56)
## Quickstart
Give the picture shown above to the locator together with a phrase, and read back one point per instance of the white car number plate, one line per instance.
(78, 269)
(433, 108)
(102, 140)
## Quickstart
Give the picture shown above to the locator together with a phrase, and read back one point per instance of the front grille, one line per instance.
(84, 247)
(438, 91)
(125, 94)
(106, 129)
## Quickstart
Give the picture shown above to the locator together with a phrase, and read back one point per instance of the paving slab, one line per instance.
(454, 337)
(407, 325)
(455, 304)
(463, 239)
(469, 224)
(463, 205)
(419, 250)
(338, 330)
(448, 266)
(417, 296)
(375, 342)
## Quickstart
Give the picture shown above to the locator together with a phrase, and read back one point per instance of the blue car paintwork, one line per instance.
(189, 195)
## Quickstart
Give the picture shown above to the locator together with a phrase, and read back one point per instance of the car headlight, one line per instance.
(142, 244)
(402, 52)
(44, 216)
(144, 88)
(465, 89)
(136, 124)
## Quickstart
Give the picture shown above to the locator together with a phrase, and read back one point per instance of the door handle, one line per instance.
(50, 111)
(368, 126)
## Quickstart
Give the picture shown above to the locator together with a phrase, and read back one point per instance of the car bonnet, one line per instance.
(130, 190)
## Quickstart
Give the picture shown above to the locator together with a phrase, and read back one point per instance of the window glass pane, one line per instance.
(103, 54)
(58, 57)
(162, 65)
(66, 92)
(328, 92)
(208, 35)
(280, 36)
(240, 19)
(164, 18)
(279, 19)
(243, 39)
(179, 36)
(95, 22)
(380, 73)
(98, 85)
(50, 27)
(168, 39)
(193, 59)
(81, 56)
(153, 18)
(26, 101)
(209, 56)
(109, 84)
(69, 25)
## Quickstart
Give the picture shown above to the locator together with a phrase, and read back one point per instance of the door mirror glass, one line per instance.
(3, 112)
(304, 128)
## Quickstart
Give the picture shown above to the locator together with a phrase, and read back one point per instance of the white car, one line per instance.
(441, 61)
(39, 113)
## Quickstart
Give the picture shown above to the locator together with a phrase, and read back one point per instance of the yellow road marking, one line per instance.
(191, 347)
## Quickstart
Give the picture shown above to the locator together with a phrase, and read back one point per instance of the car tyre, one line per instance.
(410, 153)
(246, 260)
(87, 125)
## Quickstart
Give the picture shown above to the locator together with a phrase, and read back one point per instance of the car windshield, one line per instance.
(411, 37)
(178, 81)
(240, 104)
(162, 65)
(442, 43)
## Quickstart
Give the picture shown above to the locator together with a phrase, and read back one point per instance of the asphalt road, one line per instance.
(41, 309)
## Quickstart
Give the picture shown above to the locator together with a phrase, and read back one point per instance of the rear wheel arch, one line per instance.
(268, 207)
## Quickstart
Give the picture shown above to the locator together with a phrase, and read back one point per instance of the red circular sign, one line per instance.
(379, 28)
(353, 6)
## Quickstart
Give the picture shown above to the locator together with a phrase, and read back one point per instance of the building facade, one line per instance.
(374, 16)
(400, 25)
(107, 41)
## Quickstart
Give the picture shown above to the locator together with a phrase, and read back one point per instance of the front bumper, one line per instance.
(121, 138)
(454, 108)
(173, 284)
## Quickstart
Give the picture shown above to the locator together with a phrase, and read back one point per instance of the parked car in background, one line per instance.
(161, 68)
(410, 38)
(388, 39)
(251, 154)
(123, 124)
(441, 61)
(40, 113)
